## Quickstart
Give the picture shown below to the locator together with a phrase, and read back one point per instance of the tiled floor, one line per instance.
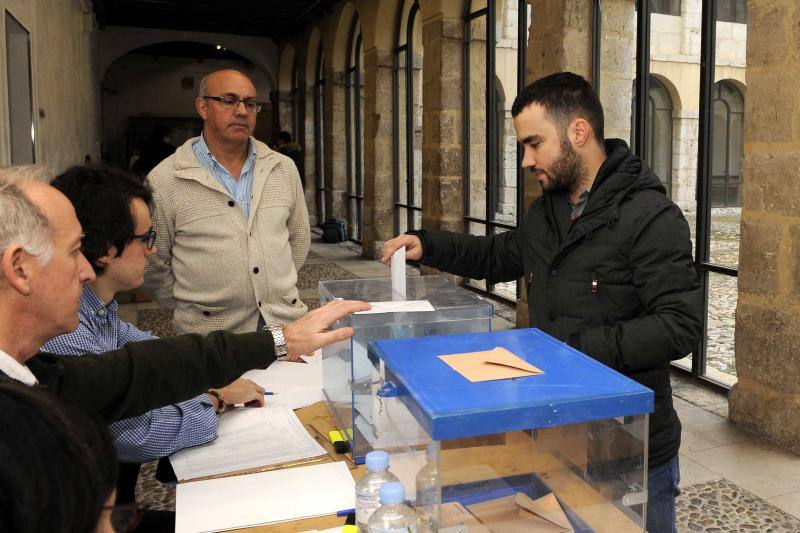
(732, 480)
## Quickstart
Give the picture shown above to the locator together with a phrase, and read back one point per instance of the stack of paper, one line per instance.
(248, 438)
(520, 513)
(264, 498)
(294, 385)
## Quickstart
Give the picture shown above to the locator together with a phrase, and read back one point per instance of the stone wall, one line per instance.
(65, 86)
(767, 395)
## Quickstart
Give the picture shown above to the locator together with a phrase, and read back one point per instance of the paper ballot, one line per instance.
(264, 498)
(399, 275)
(294, 385)
(249, 437)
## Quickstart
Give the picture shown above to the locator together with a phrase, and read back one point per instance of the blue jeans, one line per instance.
(662, 489)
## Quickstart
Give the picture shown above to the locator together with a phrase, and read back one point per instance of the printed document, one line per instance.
(249, 437)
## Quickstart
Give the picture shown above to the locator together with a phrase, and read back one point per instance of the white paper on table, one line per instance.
(263, 498)
(399, 274)
(409, 306)
(249, 437)
(294, 385)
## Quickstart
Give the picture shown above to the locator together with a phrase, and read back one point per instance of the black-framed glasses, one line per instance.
(125, 517)
(231, 102)
(149, 238)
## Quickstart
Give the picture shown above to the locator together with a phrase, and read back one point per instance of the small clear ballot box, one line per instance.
(352, 378)
(562, 450)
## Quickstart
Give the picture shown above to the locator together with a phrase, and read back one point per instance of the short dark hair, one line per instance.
(285, 136)
(565, 96)
(102, 199)
(58, 466)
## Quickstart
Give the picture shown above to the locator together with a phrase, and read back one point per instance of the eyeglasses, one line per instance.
(149, 238)
(231, 102)
(125, 517)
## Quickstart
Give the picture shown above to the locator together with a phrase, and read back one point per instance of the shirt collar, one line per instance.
(93, 305)
(248, 164)
(16, 370)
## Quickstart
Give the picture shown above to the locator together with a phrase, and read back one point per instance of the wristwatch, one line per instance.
(278, 340)
(216, 393)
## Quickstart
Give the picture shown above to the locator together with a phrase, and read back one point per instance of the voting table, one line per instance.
(525, 433)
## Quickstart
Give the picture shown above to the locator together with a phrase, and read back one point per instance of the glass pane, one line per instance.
(506, 58)
(401, 196)
(476, 228)
(477, 118)
(21, 124)
(730, 64)
(722, 296)
(402, 220)
(416, 114)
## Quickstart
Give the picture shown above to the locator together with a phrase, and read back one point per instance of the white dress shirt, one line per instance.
(16, 370)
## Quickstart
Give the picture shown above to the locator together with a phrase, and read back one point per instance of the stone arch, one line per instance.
(286, 66)
(119, 42)
(348, 18)
(672, 90)
(312, 55)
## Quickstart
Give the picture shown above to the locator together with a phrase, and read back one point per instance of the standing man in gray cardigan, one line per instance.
(231, 220)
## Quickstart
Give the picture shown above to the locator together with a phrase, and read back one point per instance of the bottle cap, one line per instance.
(392, 492)
(377, 461)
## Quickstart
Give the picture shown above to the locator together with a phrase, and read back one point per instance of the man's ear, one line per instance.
(201, 104)
(111, 254)
(580, 132)
(18, 268)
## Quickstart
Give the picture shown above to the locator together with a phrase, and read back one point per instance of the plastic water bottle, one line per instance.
(393, 516)
(369, 486)
(429, 492)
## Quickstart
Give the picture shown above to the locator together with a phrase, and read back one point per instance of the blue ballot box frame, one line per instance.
(576, 397)
(573, 388)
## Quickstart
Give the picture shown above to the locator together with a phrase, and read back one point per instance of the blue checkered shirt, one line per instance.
(155, 434)
(241, 189)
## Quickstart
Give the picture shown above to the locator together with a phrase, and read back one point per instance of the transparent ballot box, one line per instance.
(352, 379)
(561, 450)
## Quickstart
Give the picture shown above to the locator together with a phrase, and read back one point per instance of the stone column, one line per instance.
(284, 114)
(442, 139)
(560, 39)
(335, 145)
(378, 173)
(767, 397)
(307, 112)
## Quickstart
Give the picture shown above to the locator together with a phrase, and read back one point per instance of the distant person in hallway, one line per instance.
(292, 149)
(231, 220)
(158, 149)
(606, 257)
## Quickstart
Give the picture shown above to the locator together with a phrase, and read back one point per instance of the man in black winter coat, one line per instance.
(605, 255)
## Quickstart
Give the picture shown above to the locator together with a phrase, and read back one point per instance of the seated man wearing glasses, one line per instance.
(231, 220)
(114, 210)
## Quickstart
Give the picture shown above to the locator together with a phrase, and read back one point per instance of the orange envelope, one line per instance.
(490, 365)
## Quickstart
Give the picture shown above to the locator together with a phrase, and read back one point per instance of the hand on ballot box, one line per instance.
(309, 333)
(411, 242)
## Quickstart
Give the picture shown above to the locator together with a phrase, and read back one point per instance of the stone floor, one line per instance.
(731, 480)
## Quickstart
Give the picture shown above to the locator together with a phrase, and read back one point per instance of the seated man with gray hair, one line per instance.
(42, 272)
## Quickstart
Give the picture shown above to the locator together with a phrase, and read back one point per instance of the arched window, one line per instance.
(495, 39)
(659, 131)
(319, 147)
(727, 145)
(354, 113)
(407, 110)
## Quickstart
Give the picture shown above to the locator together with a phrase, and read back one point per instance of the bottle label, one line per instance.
(364, 509)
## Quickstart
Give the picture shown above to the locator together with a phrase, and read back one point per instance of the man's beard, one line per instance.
(567, 172)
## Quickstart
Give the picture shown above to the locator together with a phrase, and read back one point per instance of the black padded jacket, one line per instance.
(618, 284)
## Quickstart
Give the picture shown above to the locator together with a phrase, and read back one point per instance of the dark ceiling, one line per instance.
(264, 18)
